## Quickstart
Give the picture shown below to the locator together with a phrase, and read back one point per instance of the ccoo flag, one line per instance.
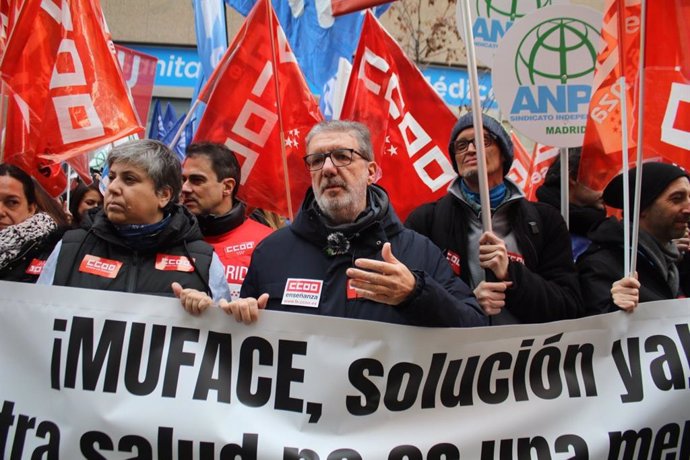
(318, 39)
(529, 170)
(67, 95)
(666, 122)
(266, 129)
(410, 124)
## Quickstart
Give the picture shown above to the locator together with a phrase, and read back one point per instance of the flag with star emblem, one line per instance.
(666, 118)
(266, 132)
(410, 124)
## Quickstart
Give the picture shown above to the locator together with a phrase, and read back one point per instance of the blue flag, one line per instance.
(169, 119)
(156, 129)
(317, 38)
(211, 41)
(185, 138)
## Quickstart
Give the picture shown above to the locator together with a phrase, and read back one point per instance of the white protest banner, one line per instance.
(544, 70)
(88, 374)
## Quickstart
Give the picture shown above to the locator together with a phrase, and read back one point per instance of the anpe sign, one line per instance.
(544, 70)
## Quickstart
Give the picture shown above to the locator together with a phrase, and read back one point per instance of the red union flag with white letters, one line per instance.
(529, 170)
(66, 92)
(410, 125)
(243, 113)
(666, 105)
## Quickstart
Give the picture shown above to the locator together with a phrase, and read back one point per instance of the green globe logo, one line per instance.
(508, 9)
(559, 49)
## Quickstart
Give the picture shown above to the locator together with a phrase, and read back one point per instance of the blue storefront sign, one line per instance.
(453, 85)
(179, 67)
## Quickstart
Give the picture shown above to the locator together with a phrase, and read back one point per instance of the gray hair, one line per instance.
(356, 129)
(156, 159)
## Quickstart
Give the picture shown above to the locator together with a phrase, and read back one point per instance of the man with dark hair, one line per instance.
(664, 217)
(347, 254)
(526, 259)
(585, 206)
(210, 180)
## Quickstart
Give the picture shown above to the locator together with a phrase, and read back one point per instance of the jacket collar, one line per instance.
(212, 225)
(376, 224)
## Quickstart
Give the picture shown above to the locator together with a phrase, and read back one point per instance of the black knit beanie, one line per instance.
(655, 178)
(490, 124)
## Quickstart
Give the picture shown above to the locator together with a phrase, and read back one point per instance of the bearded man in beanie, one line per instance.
(664, 216)
(522, 271)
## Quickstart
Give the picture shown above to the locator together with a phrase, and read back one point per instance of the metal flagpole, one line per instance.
(640, 133)
(476, 116)
(565, 186)
(626, 178)
(624, 141)
(283, 154)
(184, 124)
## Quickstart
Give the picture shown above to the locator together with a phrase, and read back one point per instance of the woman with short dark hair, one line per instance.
(142, 240)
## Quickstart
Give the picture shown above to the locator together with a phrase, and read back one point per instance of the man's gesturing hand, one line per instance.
(388, 281)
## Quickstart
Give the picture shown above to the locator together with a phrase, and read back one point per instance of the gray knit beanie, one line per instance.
(492, 125)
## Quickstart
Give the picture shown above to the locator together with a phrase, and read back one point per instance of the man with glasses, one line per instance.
(347, 254)
(522, 271)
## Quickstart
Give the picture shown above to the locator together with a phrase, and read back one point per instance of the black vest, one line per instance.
(89, 260)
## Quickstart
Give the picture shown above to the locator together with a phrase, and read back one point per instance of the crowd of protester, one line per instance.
(171, 229)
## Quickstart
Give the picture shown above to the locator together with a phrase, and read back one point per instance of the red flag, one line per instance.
(529, 170)
(522, 162)
(266, 133)
(139, 70)
(542, 160)
(340, 7)
(67, 94)
(666, 121)
(410, 125)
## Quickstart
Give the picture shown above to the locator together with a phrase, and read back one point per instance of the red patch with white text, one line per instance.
(302, 292)
(99, 266)
(351, 292)
(514, 257)
(239, 248)
(168, 262)
(35, 267)
(454, 261)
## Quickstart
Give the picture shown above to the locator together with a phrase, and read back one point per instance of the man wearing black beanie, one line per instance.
(664, 217)
(522, 271)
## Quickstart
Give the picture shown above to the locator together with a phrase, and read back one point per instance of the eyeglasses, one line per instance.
(339, 157)
(462, 145)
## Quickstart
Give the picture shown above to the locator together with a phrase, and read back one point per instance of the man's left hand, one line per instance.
(493, 255)
(388, 281)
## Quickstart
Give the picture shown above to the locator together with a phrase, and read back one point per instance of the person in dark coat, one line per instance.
(347, 254)
(664, 217)
(142, 240)
(522, 271)
(28, 233)
(585, 206)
